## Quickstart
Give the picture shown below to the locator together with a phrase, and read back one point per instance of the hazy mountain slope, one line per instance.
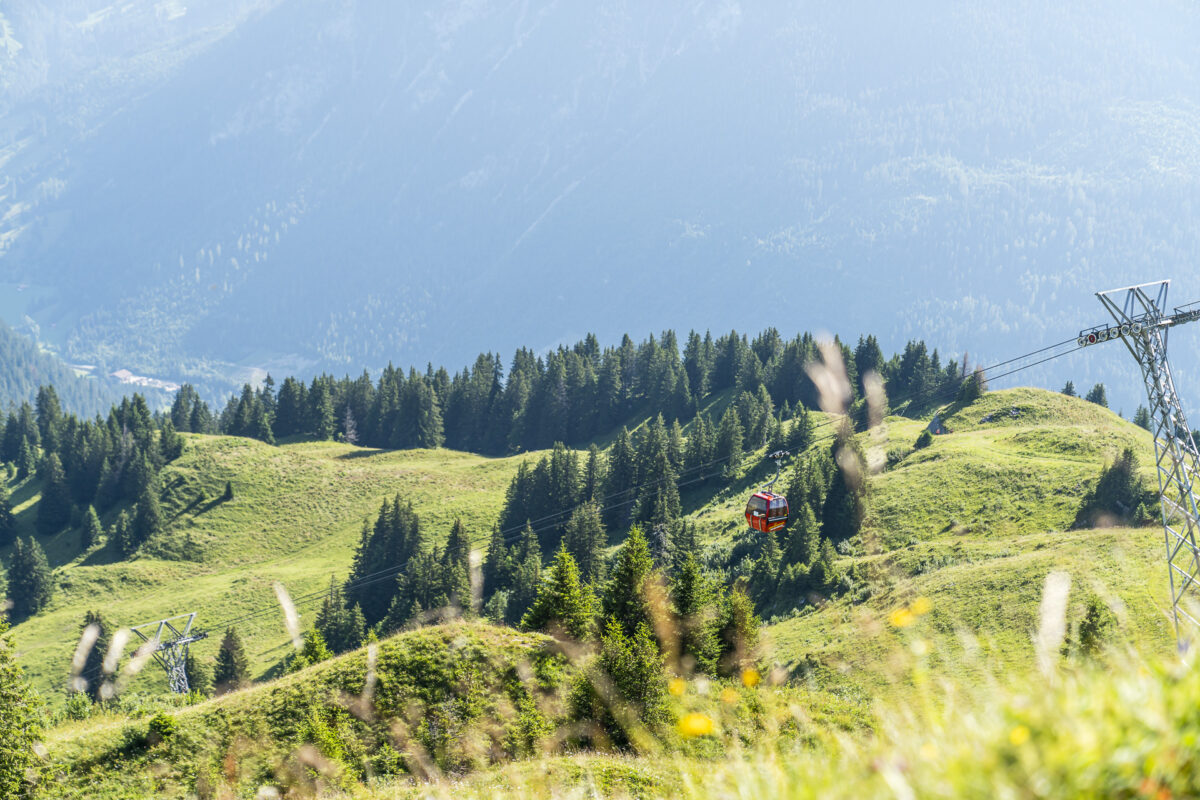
(346, 185)
(24, 368)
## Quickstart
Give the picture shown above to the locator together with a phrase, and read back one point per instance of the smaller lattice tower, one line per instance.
(170, 642)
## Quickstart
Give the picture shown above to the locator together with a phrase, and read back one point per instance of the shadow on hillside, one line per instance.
(362, 453)
(204, 505)
(23, 494)
(276, 669)
(108, 554)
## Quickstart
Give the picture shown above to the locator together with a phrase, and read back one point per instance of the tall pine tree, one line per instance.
(54, 509)
(728, 449)
(232, 669)
(30, 582)
(93, 665)
(585, 539)
(21, 725)
(342, 628)
(625, 596)
(563, 603)
(8, 521)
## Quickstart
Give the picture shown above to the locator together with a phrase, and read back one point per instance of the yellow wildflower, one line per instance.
(901, 618)
(750, 678)
(729, 695)
(921, 606)
(695, 724)
(1018, 736)
(677, 686)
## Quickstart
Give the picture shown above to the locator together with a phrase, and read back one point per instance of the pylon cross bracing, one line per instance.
(170, 639)
(1143, 324)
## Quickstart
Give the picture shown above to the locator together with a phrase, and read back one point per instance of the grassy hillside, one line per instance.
(457, 695)
(973, 524)
(949, 572)
(1126, 730)
(295, 518)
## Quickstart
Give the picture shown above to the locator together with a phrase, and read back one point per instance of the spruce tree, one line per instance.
(393, 540)
(1141, 417)
(456, 567)
(30, 582)
(496, 567)
(342, 628)
(1069, 389)
(321, 419)
(418, 587)
(585, 539)
(123, 535)
(527, 575)
(621, 479)
(54, 509)
(181, 408)
(199, 674)
(260, 425)
(426, 416)
(728, 449)
(232, 669)
(699, 448)
(21, 725)
(92, 529)
(201, 420)
(804, 537)
(170, 443)
(49, 417)
(26, 461)
(8, 521)
(148, 520)
(675, 447)
(593, 475)
(313, 651)
(10, 443)
(625, 598)
(764, 575)
(1098, 395)
(630, 668)
(845, 502)
(696, 615)
(93, 665)
(562, 602)
(739, 631)
(658, 502)
(799, 434)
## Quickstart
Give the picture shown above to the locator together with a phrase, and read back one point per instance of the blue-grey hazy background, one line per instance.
(206, 190)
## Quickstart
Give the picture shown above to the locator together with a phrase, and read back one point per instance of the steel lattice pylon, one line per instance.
(171, 652)
(1143, 323)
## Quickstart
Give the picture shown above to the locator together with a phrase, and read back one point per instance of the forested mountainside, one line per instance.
(481, 168)
(24, 369)
(575, 394)
(129, 489)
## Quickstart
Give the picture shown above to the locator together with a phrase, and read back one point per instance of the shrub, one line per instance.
(924, 440)
(79, 706)
(162, 727)
(624, 692)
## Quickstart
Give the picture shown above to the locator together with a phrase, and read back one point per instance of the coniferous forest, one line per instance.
(571, 395)
(571, 499)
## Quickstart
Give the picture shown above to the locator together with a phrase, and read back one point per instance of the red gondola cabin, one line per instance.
(767, 512)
